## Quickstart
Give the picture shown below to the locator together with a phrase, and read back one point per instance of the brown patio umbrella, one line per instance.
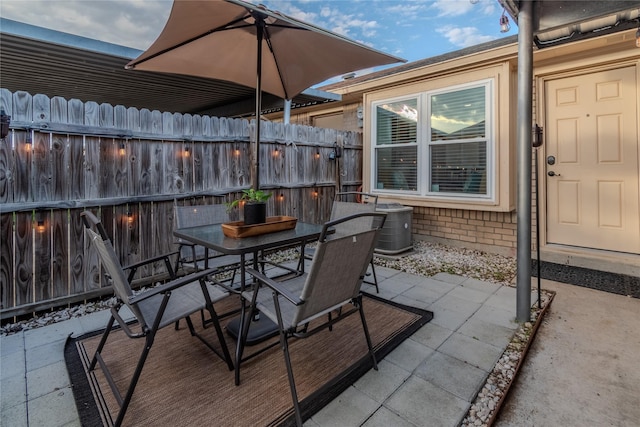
(251, 45)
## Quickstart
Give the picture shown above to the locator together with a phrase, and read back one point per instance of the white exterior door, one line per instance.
(591, 162)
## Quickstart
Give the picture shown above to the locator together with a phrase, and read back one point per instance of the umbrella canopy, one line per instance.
(251, 45)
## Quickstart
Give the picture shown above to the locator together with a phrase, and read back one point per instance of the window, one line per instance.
(436, 143)
(396, 145)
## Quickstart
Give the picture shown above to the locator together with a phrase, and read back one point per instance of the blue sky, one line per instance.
(410, 29)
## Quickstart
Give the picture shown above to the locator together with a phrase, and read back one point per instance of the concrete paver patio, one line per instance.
(430, 379)
(582, 369)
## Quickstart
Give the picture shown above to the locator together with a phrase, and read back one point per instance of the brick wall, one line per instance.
(488, 231)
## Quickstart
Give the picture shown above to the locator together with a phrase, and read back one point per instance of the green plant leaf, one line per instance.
(250, 195)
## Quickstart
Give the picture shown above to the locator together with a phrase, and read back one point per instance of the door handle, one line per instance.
(552, 173)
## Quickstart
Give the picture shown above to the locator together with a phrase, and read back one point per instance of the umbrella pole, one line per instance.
(260, 29)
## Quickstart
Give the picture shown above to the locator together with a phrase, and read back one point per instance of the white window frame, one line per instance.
(424, 144)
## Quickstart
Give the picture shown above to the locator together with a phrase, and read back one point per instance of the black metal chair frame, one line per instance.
(148, 329)
(366, 200)
(340, 293)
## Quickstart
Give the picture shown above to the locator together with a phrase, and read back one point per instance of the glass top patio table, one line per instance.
(212, 237)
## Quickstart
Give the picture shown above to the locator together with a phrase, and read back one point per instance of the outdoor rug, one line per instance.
(184, 383)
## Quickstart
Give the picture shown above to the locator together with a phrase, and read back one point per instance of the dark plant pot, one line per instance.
(255, 213)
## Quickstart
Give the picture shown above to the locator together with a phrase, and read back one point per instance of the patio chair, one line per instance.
(332, 285)
(153, 309)
(343, 205)
(194, 257)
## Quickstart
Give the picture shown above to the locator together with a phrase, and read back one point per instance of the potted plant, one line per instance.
(255, 205)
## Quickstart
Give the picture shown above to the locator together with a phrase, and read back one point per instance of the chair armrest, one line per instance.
(276, 286)
(149, 260)
(163, 257)
(187, 244)
(173, 284)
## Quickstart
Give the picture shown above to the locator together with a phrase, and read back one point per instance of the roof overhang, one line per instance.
(562, 21)
(42, 61)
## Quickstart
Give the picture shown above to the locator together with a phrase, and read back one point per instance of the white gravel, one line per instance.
(429, 259)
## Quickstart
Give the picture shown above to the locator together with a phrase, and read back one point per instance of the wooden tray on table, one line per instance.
(238, 229)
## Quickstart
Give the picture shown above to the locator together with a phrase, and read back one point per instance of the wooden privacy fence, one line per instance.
(131, 166)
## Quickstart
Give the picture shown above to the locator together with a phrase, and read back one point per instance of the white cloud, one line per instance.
(410, 11)
(325, 12)
(348, 25)
(463, 36)
(452, 7)
(462, 7)
(299, 14)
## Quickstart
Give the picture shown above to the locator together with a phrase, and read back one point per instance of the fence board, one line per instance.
(105, 112)
(7, 288)
(172, 179)
(107, 151)
(185, 167)
(23, 258)
(157, 168)
(163, 221)
(156, 123)
(228, 163)
(22, 154)
(219, 166)
(132, 226)
(92, 274)
(59, 110)
(125, 219)
(132, 165)
(7, 171)
(60, 182)
(41, 108)
(6, 101)
(302, 170)
(75, 110)
(22, 107)
(121, 168)
(234, 172)
(77, 282)
(41, 169)
(120, 117)
(199, 153)
(59, 253)
(91, 114)
(93, 166)
(168, 124)
(145, 182)
(42, 256)
(76, 168)
(145, 226)
(146, 122)
(133, 119)
(196, 126)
